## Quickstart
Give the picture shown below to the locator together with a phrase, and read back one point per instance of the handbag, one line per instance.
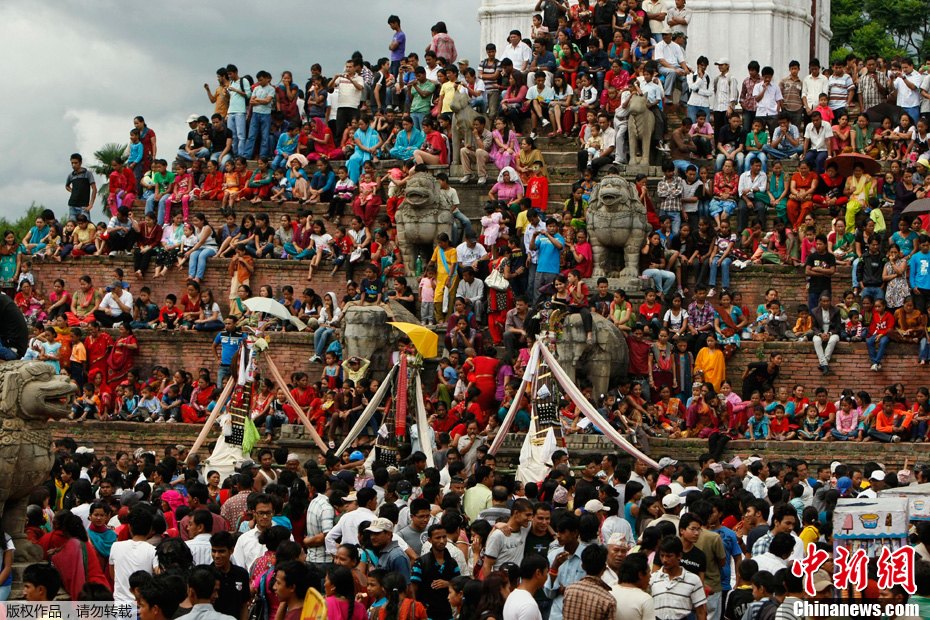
(259, 608)
(497, 281)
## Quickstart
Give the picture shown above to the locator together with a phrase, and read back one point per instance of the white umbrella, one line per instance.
(274, 308)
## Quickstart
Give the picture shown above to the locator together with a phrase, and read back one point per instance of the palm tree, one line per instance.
(105, 156)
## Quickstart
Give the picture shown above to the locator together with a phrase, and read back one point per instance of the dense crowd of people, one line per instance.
(463, 539)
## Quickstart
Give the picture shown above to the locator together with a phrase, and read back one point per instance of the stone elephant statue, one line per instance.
(616, 219)
(602, 363)
(366, 333)
(640, 127)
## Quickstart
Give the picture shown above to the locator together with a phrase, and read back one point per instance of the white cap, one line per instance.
(672, 501)
(722, 61)
(833, 466)
(877, 475)
(292, 457)
(380, 525)
(193, 118)
(751, 460)
(594, 505)
(667, 462)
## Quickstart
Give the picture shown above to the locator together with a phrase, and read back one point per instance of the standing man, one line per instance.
(819, 269)
(590, 598)
(521, 604)
(814, 85)
(517, 51)
(840, 89)
(248, 547)
(907, 83)
(398, 44)
(503, 548)
(320, 519)
(726, 93)
(432, 573)
(233, 595)
(226, 348)
(549, 244)
(873, 86)
(82, 187)
(260, 125)
(240, 91)
(791, 89)
(565, 563)
(656, 13)
(827, 323)
(390, 558)
(348, 86)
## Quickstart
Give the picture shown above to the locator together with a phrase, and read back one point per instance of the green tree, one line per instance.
(21, 226)
(105, 156)
(886, 28)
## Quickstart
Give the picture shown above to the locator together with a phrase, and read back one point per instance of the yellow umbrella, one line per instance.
(425, 340)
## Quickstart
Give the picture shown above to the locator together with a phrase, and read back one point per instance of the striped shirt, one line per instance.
(320, 517)
(838, 89)
(678, 597)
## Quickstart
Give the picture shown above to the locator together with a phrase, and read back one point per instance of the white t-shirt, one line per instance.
(126, 557)
(467, 257)
(818, 138)
(908, 98)
(520, 605)
(109, 304)
(925, 86)
(632, 603)
(349, 95)
(521, 55)
(768, 105)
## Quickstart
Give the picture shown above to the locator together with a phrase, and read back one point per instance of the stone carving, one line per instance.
(603, 362)
(421, 217)
(462, 117)
(365, 333)
(640, 128)
(30, 395)
(616, 219)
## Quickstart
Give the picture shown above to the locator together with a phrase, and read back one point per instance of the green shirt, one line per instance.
(163, 181)
(419, 104)
(757, 141)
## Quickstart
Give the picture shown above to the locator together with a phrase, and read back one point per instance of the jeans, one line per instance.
(813, 298)
(737, 161)
(202, 153)
(816, 160)
(874, 291)
(418, 119)
(275, 419)
(824, 355)
(461, 226)
(844, 436)
(259, 128)
(221, 163)
(914, 113)
(236, 124)
(877, 345)
(198, 261)
(254, 251)
(675, 216)
(291, 250)
(221, 373)
(718, 206)
(714, 607)
(924, 354)
(73, 212)
(670, 77)
(480, 104)
(5, 593)
(724, 266)
(209, 326)
(279, 161)
(694, 109)
(321, 338)
(781, 153)
(751, 155)
(681, 165)
(162, 205)
(663, 280)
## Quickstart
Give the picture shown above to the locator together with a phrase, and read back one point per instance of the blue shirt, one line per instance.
(230, 345)
(36, 235)
(287, 145)
(135, 153)
(399, 52)
(920, 270)
(905, 243)
(570, 572)
(732, 549)
(548, 257)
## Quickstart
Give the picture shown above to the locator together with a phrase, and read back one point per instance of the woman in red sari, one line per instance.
(196, 411)
(122, 356)
(499, 302)
(303, 392)
(73, 556)
(481, 371)
(98, 345)
(149, 148)
(321, 139)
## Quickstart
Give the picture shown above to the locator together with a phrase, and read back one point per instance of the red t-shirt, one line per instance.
(647, 312)
(537, 190)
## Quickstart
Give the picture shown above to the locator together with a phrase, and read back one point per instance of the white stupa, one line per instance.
(773, 32)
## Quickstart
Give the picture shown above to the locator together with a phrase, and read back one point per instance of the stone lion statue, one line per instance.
(421, 217)
(463, 115)
(366, 332)
(616, 219)
(602, 363)
(31, 394)
(640, 128)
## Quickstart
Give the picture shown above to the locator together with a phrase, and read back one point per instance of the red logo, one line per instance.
(896, 568)
(813, 560)
(850, 569)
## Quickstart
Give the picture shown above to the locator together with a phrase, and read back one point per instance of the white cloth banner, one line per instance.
(528, 375)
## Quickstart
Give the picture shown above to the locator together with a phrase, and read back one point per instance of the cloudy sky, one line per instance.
(78, 71)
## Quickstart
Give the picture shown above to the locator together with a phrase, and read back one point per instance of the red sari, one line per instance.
(499, 302)
(196, 411)
(97, 349)
(212, 188)
(120, 360)
(327, 148)
(480, 372)
(304, 398)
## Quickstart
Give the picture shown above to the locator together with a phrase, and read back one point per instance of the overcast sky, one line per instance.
(78, 71)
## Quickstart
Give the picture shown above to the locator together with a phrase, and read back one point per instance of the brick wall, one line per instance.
(108, 438)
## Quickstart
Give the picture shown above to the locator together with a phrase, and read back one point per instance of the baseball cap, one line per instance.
(666, 462)
(193, 118)
(594, 505)
(404, 488)
(247, 464)
(877, 475)
(356, 456)
(722, 61)
(351, 497)
(129, 497)
(672, 501)
(380, 525)
(292, 457)
(833, 466)
(843, 485)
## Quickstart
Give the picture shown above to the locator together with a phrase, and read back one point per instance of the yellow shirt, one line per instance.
(447, 92)
(713, 364)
